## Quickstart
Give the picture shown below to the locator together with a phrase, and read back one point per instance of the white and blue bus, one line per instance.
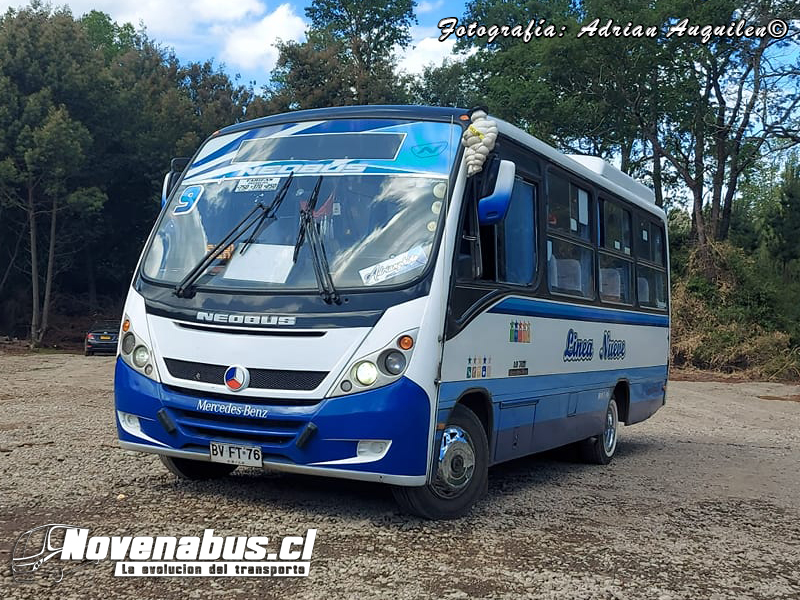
(328, 292)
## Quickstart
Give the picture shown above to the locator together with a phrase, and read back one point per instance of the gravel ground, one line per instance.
(700, 502)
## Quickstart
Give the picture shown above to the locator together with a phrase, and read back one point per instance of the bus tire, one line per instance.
(600, 449)
(196, 470)
(462, 472)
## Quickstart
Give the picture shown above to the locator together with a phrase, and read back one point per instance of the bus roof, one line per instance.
(589, 167)
(593, 168)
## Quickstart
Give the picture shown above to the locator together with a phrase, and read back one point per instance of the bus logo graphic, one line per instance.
(429, 150)
(519, 331)
(237, 378)
(35, 548)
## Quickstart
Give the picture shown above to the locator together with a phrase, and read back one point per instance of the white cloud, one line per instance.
(241, 33)
(252, 46)
(424, 52)
(426, 7)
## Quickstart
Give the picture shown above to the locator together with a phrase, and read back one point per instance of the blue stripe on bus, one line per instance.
(511, 389)
(576, 312)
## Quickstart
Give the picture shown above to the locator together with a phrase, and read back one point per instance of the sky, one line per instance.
(241, 35)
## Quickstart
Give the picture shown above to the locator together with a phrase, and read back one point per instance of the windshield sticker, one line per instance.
(268, 263)
(440, 189)
(188, 199)
(392, 267)
(257, 184)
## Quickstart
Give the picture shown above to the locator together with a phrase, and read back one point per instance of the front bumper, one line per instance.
(98, 346)
(399, 412)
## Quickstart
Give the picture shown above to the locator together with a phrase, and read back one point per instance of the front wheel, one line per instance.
(462, 471)
(196, 469)
(600, 449)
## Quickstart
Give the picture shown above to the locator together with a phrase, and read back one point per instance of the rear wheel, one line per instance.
(461, 471)
(196, 469)
(600, 449)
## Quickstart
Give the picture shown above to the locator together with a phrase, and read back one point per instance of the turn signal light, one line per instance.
(405, 342)
(126, 324)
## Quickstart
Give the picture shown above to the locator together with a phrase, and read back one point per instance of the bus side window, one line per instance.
(517, 237)
(616, 261)
(570, 254)
(651, 274)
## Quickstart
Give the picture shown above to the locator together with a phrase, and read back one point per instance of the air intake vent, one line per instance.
(271, 379)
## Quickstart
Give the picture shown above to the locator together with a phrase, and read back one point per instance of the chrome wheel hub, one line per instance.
(610, 431)
(456, 463)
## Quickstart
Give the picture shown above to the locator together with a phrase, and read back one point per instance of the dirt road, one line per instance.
(702, 501)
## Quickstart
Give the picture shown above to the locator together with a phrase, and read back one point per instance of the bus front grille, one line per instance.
(272, 379)
(269, 432)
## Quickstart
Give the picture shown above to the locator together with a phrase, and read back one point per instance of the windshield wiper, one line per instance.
(269, 213)
(308, 228)
(185, 288)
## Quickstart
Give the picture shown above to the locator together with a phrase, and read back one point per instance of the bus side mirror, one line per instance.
(493, 208)
(177, 165)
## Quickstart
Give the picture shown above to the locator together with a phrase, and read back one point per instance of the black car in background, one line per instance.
(102, 337)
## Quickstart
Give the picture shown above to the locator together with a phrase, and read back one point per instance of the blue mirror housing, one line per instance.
(493, 208)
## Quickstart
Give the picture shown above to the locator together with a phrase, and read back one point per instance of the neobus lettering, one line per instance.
(245, 319)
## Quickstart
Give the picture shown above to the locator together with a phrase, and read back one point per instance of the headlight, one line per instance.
(140, 356)
(380, 367)
(366, 373)
(394, 362)
(128, 342)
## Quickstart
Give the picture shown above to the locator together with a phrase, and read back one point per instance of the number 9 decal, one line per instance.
(188, 199)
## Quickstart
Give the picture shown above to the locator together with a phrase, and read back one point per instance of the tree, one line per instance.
(348, 56)
(46, 62)
(784, 223)
(369, 31)
(706, 110)
(450, 84)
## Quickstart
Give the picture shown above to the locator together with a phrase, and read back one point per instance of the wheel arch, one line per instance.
(479, 401)
(622, 394)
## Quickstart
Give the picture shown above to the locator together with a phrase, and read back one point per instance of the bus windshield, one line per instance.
(381, 202)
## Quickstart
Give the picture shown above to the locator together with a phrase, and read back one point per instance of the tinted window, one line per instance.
(567, 208)
(615, 279)
(650, 242)
(570, 268)
(321, 147)
(517, 237)
(651, 287)
(616, 228)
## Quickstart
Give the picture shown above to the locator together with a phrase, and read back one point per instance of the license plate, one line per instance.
(232, 454)
(105, 337)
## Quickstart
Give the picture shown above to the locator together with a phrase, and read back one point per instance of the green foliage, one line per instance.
(783, 224)
(347, 58)
(91, 112)
(732, 317)
(454, 83)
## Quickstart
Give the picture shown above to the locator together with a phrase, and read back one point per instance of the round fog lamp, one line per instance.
(140, 356)
(128, 342)
(394, 362)
(366, 373)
